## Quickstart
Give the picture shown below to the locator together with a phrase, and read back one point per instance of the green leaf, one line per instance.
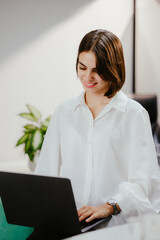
(28, 143)
(37, 140)
(30, 127)
(31, 155)
(34, 111)
(28, 116)
(44, 129)
(47, 121)
(23, 139)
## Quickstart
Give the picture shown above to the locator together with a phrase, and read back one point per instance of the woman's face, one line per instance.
(88, 75)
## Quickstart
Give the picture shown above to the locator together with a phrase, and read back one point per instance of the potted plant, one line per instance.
(34, 132)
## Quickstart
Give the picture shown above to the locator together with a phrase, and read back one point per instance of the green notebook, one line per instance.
(10, 231)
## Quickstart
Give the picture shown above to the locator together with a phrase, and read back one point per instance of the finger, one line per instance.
(83, 210)
(92, 217)
(85, 215)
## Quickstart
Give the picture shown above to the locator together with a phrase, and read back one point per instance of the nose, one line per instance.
(88, 76)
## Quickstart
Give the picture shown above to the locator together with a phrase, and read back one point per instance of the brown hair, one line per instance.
(109, 57)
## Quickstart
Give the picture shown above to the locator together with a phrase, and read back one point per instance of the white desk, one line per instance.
(147, 228)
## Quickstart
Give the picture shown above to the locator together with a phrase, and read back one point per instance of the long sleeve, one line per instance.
(111, 156)
(141, 193)
(49, 160)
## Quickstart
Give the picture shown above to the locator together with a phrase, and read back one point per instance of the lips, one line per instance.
(89, 85)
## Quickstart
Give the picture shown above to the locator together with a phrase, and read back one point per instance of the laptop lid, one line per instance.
(35, 201)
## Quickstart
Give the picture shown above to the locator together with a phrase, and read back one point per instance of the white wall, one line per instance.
(148, 48)
(39, 41)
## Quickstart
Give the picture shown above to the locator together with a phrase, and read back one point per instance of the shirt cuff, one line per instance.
(126, 205)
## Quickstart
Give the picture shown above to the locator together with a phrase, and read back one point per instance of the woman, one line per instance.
(102, 140)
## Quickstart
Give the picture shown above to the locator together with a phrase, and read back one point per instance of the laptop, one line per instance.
(42, 201)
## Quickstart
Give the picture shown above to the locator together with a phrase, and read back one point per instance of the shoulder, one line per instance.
(122, 102)
(135, 110)
(64, 110)
(133, 105)
(68, 105)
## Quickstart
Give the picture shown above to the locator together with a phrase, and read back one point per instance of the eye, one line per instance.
(82, 68)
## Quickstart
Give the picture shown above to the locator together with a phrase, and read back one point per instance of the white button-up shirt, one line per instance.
(109, 157)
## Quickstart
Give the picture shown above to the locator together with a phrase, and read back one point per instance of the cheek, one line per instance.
(99, 79)
(80, 75)
(102, 82)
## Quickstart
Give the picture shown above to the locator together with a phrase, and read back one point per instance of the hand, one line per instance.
(91, 212)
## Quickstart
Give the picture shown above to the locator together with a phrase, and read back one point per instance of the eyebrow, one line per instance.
(85, 65)
(82, 64)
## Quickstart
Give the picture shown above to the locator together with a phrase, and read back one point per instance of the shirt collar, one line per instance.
(79, 101)
(119, 102)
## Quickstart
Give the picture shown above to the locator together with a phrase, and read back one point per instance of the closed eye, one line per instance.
(82, 68)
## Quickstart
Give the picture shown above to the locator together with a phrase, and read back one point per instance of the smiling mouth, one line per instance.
(89, 85)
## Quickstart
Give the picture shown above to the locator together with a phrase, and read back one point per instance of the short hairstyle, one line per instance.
(109, 57)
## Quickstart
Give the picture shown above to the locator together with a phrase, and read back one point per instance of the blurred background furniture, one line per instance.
(149, 102)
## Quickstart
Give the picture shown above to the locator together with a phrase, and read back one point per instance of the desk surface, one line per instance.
(146, 228)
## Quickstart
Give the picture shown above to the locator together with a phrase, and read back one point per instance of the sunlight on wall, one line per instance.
(42, 71)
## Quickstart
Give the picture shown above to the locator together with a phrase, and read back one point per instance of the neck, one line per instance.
(92, 99)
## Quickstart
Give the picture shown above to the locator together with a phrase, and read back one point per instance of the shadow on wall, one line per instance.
(21, 21)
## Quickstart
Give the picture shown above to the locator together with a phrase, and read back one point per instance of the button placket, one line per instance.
(88, 181)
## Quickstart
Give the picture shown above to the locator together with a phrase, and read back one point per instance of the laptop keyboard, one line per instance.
(84, 224)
